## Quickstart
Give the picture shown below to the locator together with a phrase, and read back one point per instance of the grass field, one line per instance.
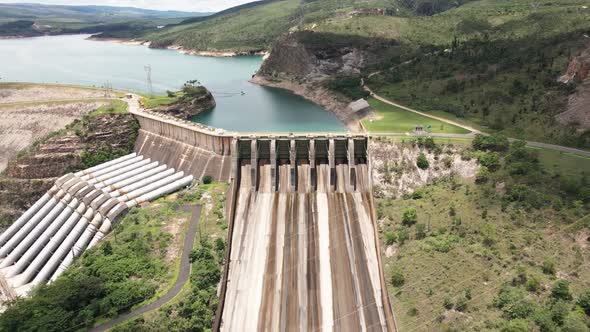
(115, 106)
(396, 120)
(562, 163)
(155, 101)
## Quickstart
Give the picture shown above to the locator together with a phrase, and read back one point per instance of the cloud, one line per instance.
(182, 5)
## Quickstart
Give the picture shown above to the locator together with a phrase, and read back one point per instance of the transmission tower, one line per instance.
(148, 73)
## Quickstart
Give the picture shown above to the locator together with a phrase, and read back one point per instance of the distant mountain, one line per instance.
(86, 13)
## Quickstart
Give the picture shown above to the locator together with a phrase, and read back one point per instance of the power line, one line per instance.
(148, 73)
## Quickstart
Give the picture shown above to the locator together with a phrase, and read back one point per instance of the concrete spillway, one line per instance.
(76, 213)
(304, 251)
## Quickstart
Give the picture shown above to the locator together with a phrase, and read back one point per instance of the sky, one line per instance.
(182, 5)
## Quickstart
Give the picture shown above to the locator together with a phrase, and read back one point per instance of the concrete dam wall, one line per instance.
(184, 145)
(304, 253)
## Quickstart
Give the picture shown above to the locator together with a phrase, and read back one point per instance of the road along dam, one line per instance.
(303, 250)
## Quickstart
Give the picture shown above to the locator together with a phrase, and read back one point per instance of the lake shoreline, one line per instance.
(181, 49)
(318, 96)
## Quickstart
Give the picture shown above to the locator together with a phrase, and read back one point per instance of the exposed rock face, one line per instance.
(304, 61)
(28, 176)
(395, 172)
(578, 106)
(189, 107)
(578, 68)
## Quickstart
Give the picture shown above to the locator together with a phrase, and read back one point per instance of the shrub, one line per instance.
(402, 235)
(491, 160)
(516, 325)
(575, 322)
(482, 175)
(548, 266)
(561, 290)
(422, 162)
(397, 277)
(488, 233)
(389, 237)
(420, 231)
(533, 284)
(448, 303)
(584, 301)
(559, 311)
(461, 304)
(494, 142)
(207, 179)
(513, 303)
(409, 217)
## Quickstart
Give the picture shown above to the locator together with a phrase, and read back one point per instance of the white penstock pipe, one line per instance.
(123, 183)
(119, 171)
(174, 186)
(150, 187)
(122, 177)
(45, 254)
(47, 210)
(64, 248)
(26, 251)
(111, 168)
(24, 218)
(161, 191)
(105, 165)
(142, 183)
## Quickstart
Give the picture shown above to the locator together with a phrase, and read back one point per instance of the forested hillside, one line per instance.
(492, 64)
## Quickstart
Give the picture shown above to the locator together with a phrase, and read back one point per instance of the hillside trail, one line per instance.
(561, 148)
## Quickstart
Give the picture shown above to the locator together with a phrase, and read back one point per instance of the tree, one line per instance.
(207, 179)
(409, 217)
(561, 290)
(422, 162)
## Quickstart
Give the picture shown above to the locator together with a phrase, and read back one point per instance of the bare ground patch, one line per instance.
(22, 124)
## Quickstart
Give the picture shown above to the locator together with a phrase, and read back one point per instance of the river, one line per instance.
(241, 106)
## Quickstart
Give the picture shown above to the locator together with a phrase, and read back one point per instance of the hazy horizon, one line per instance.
(177, 5)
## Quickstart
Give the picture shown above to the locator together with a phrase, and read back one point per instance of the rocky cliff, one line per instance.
(304, 62)
(190, 104)
(578, 106)
(85, 142)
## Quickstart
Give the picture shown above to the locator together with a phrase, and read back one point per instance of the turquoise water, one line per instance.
(75, 60)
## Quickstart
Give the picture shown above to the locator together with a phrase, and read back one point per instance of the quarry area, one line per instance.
(30, 112)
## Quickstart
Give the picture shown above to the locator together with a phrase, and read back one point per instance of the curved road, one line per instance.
(183, 275)
(474, 131)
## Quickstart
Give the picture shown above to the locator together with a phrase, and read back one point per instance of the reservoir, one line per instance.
(241, 106)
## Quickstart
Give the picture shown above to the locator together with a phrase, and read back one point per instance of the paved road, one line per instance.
(183, 275)
(474, 131)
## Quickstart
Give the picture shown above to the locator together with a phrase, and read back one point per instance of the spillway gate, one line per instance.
(304, 251)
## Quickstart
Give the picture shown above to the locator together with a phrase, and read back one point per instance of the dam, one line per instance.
(304, 254)
(303, 248)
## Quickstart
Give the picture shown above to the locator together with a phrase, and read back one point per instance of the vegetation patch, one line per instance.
(128, 268)
(396, 120)
(509, 253)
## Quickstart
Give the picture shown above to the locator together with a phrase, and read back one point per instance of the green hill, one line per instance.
(491, 63)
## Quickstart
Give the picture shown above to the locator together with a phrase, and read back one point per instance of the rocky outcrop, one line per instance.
(188, 107)
(304, 62)
(395, 172)
(30, 174)
(578, 109)
(578, 68)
